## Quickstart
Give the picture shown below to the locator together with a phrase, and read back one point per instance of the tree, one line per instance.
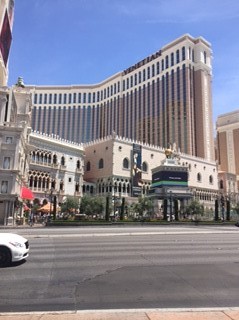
(194, 209)
(71, 204)
(236, 208)
(143, 207)
(92, 205)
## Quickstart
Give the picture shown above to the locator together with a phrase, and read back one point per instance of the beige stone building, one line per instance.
(227, 127)
(15, 108)
(162, 99)
(109, 165)
(56, 168)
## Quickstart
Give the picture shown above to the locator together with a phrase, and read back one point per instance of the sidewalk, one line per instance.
(150, 314)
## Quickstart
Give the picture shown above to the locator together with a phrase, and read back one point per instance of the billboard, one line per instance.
(169, 178)
(5, 39)
(136, 174)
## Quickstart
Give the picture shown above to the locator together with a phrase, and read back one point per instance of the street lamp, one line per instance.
(50, 193)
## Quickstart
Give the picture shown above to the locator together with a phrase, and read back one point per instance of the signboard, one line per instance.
(136, 174)
(5, 39)
(170, 178)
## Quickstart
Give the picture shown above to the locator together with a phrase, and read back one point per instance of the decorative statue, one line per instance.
(20, 82)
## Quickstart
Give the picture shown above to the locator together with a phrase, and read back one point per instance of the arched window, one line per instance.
(61, 185)
(101, 164)
(78, 164)
(199, 177)
(144, 167)
(210, 179)
(62, 160)
(126, 163)
(53, 184)
(183, 53)
(88, 166)
(55, 159)
(221, 184)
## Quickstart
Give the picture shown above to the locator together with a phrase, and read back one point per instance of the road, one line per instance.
(115, 268)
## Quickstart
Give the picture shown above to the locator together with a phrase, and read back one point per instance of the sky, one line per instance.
(67, 42)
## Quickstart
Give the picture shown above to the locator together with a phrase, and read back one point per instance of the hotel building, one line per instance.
(161, 100)
(227, 126)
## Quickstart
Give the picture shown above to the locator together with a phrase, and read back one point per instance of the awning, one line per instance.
(26, 194)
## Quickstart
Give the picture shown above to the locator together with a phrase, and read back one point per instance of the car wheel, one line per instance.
(5, 257)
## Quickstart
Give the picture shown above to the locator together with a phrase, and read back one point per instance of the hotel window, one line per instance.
(115, 89)
(104, 93)
(172, 59)
(60, 98)
(45, 98)
(108, 92)
(69, 98)
(101, 164)
(162, 65)
(65, 97)
(135, 79)
(55, 98)
(123, 85)
(98, 96)
(148, 74)
(35, 98)
(153, 70)
(139, 76)
(144, 75)
(126, 163)
(158, 68)
(93, 97)
(127, 83)
(166, 62)
(205, 57)
(6, 163)
(111, 90)
(118, 86)
(89, 97)
(84, 97)
(88, 166)
(183, 53)
(131, 81)
(74, 97)
(79, 97)
(40, 98)
(177, 56)
(50, 98)
(4, 187)
(210, 179)
(144, 167)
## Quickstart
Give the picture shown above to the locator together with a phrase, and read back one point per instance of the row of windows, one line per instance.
(199, 178)
(126, 163)
(133, 80)
(68, 98)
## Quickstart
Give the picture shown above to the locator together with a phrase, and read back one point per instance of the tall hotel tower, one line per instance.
(6, 22)
(164, 98)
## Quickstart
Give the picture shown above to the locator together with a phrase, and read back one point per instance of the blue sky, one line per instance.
(64, 42)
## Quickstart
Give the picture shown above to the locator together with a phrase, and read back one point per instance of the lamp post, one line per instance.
(50, 193)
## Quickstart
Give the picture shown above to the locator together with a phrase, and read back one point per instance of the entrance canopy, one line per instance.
(26, 194)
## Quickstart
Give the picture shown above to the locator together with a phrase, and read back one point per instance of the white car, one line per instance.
(13, 248)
